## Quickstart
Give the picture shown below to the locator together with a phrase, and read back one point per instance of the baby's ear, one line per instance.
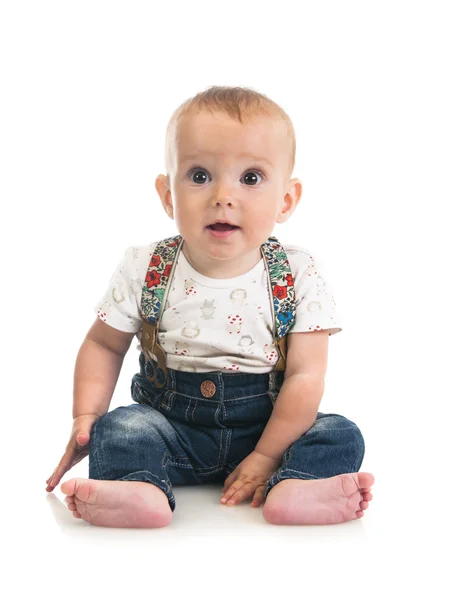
(162, 186)
(290, 201)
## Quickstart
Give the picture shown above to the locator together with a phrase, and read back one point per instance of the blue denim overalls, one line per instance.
(189, 428)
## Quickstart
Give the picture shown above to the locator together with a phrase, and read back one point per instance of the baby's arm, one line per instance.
(295, 409)
(97, 370)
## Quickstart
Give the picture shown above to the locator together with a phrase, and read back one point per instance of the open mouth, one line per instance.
(222, 227)
(222, 230)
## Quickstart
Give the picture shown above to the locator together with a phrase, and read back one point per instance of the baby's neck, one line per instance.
(222, 269)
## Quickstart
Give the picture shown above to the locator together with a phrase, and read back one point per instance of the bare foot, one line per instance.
(319, 501)
(117, 503)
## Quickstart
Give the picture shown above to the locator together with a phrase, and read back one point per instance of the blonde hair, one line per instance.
(240, 103)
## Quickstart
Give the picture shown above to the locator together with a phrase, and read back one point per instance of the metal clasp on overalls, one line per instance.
(150, 346)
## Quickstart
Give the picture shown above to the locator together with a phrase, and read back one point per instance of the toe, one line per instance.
(365, 480)
(363, 505)
(367, 497)
(72, 506)
(76, 514)
(359, 514)
(79, 487)
(69, 487)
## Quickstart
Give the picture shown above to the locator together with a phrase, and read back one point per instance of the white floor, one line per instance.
(212, 551)
(399, 549)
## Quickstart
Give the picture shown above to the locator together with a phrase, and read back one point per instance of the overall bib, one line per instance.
(189, 428)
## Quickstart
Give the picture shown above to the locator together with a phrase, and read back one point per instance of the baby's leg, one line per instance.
(318, 482)
(128, 485)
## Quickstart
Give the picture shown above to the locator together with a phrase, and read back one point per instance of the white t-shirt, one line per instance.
(218, 324)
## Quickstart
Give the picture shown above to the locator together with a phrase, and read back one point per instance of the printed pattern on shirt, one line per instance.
(197, 330)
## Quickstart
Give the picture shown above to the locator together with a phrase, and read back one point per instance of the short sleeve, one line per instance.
(315, 305)
(119, 305)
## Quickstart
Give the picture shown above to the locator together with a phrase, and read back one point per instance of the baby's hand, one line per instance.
(249, 477)
(76, 449)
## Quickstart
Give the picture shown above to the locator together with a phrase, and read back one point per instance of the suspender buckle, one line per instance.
(156, 371)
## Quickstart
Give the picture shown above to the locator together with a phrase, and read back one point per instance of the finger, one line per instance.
(50, 478)
(244, 492)
(231, 490)
(78, 457)
(82, 439)
(56, 477)
(62, 468)
(229, 480)
(258, 497)
(71, 458)
(50, 487)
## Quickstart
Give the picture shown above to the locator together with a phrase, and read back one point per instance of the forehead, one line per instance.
(219, 134)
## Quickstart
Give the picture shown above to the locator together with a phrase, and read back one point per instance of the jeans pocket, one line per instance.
(143, 396)
(166, 402)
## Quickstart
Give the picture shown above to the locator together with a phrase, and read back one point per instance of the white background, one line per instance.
(87, 89)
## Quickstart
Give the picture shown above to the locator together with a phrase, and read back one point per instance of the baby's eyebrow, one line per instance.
(197, 155)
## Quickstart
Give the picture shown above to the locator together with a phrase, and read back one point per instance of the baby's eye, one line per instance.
(250, 176)
(198, 176)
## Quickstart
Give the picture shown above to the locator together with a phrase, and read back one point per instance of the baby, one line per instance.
(233, 330)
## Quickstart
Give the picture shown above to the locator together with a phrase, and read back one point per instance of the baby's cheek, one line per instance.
(261, 219)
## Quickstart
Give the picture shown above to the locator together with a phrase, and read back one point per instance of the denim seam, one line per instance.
(228, 433)
(139, 395)
(97, 462)
(212, 400)
(166, 460)
(95, 457)
(173, 461)
(231, 400)
(230, 467)
(167, 405)
(187, 410)
(216, 420)
(193, 411)
(176, 462)
(288, 453)
(143, 397)
(277, 477)
(209, 470)
(286, 469)
(219, 460)
(165, 486)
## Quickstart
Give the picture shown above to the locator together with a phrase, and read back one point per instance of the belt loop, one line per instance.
(221, 394)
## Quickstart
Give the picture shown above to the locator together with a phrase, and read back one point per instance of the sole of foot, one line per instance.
(135, 504)
(319, 501)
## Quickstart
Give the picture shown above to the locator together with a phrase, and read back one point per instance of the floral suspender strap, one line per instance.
(282, 294)
(154, 294)
(157, 285)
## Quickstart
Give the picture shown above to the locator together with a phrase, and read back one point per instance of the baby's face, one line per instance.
(224, 170)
